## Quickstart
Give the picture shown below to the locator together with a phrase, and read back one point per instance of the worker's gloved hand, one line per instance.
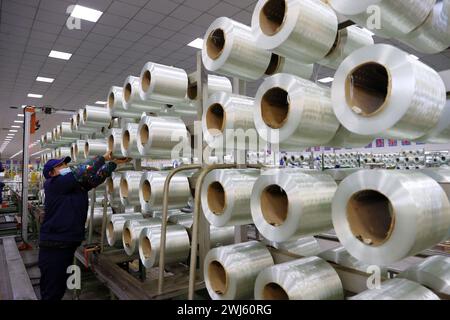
(108, 156)
(122, 160)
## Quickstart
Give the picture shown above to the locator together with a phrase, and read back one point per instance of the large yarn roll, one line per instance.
(63, 152)
(114, 142)
(77, 151)
(95, 147)
(229, 48)
(132, 230)
(304, 279)
(129, 188)
(95, 117)
(163, 84)
(218, 236)
(98, 216)
(382, 217)
(397, 289)
(348, 40)
(158, 137)
(230, 272)
(116, 106)
(132, 100)
(294, 113)
(289, 203)
(397, 18)
(151, 193)
(433, 272)
(434, 35)
(304, 30)
(128, 143)
(113, 188)
(64, 132)
(225, 196)
(215, 84)
(82, 127)
(382, 91)
(177, 245)
(279, 64)
(226, 117)
(115, 225)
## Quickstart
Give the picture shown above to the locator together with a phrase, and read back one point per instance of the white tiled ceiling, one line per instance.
(128, 34)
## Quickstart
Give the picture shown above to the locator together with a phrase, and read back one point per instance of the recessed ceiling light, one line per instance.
(13, 130)
(326, 80)
(34, 95)
(20, 114)
(15, 126)
(10, 134)
(197, 43)
(100, 102)
(44, 79)
(18, 121)
(86, 13)
(59, 55)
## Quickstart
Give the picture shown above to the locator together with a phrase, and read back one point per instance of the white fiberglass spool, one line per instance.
(132, 100)
(279, 64)
(226, 195)
(294, 112)
(95, 147)
(95, 117)
(230, 272)
(151, 187)
(397, 18)
(128, 143)
(348, 40)
(129, 188)
(381, 90)
(229, 48)
(163, 84)
(114, 227)
(77, 151)
(114, 142)
(304, 279)
(302, 30)
(159, 137)
(440, 133)
(113, 188)
(116, 107)
(382, 216)
(397, 289)
(226, 117)
(433, 272)
(289, 203)
(347, 139)
(132, 231)
(434, 35)
(177, 245)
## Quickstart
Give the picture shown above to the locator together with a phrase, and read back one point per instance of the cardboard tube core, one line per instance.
(110, 231)
(216, 198)
(368, 89)
(272, 16)
(273, 65)
(111, 143)
(124, 188)
(126, 139)
(111, 100)
(218, 277)
(275, 107)
(127, 92)
(371, 217)
(215, 44)
(146, 191)
(274, 205)
(146, 80)
(147, 248)
(215, 117)
(273, 291)
(144, 134)
(127, 237)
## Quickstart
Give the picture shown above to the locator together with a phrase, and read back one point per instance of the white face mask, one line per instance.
(64, 171)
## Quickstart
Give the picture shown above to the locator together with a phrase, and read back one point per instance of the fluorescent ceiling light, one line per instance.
(24, 106)
(197, 43)
(20, 114)
(100, 102)
(15, 126)
(11, 134)
(59, 55)
(44, 79)
(13, 130)
(34, 95)
(86, 13)
(18, 121)
(326, 80)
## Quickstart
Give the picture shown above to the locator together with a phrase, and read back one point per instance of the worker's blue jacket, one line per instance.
(66, 200)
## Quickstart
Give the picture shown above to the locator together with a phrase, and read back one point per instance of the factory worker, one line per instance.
(66, 206)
